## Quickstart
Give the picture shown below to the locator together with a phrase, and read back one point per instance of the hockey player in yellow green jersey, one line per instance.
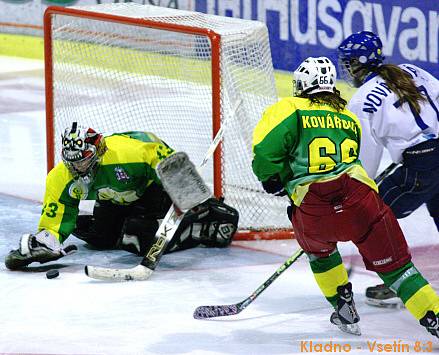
(118, 172)
(308, 146)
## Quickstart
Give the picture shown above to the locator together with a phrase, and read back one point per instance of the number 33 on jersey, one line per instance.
(305, 143)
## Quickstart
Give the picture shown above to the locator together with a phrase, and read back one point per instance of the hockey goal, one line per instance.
(180, 74)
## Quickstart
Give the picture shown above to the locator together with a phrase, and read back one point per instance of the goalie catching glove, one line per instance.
(41, 247)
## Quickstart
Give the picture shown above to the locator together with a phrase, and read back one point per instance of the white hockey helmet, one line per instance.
(314, 75)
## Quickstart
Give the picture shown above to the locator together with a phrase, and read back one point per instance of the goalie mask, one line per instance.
(314, 75)
(81, 151)
(358, 55)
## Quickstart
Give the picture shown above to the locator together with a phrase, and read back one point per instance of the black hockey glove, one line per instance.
(274, 186)
(290, 211)
(41, 247)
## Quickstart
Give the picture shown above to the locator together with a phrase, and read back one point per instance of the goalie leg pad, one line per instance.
(138, 235)
(213, 223)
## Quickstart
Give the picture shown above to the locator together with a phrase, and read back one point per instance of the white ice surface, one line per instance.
(76, 315)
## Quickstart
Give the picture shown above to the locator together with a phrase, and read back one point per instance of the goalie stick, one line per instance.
(204, 312)
(164, 234)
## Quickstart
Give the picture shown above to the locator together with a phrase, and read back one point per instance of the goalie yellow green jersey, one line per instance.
(305, 143)
(125, 171)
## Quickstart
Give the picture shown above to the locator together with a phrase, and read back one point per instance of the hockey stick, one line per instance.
(204, 312)
(386, 172)
(163, 236)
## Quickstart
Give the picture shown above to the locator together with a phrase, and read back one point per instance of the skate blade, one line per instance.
(389, 303)
(350, 328)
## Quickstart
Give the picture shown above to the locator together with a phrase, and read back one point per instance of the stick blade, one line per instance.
(204, 312)
(138, 273)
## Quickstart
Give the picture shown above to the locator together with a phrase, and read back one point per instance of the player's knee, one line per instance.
(84, 230)
(95, 232)
(137, 234)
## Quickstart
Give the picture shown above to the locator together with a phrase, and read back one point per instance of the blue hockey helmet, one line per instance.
(359, 51)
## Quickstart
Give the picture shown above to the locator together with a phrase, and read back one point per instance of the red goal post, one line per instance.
(121, 67)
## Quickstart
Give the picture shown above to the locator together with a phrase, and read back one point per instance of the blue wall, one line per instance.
(302, 28)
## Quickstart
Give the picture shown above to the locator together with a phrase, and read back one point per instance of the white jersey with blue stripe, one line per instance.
(387, 123)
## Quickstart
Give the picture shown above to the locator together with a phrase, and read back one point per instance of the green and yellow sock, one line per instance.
(416, 293)
(329, 273)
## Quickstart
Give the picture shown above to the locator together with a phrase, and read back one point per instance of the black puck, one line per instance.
(51, 274)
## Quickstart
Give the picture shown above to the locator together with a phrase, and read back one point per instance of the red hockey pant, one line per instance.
(348, 210)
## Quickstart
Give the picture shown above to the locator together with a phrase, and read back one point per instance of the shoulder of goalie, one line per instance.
(41, 247)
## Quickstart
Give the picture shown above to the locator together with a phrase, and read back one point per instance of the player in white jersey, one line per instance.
(399, 110)
(391, 123)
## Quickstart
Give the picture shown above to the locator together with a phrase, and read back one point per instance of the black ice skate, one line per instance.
(345, 316)
(431, 322)
(382, 296)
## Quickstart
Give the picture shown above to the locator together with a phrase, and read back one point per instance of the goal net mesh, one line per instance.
(118, 76)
